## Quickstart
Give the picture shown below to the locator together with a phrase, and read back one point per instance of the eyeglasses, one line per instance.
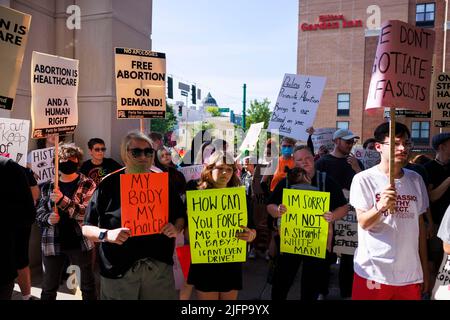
(100, 149)
(406, 145)
(351, 141)
(224, 169)
(137, 152)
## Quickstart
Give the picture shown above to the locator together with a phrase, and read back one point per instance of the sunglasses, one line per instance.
(351, 141)
(137, 152)
(100, 149)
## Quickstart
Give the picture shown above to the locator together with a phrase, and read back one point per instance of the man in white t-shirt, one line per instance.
(390, 261)
(444, 231)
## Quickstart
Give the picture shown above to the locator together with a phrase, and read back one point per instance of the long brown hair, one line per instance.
(206, 180)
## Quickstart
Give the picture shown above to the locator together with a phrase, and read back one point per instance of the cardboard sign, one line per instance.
(441, 290)
(43, 164)
(346, 231)
(323, 137)
(369, 158)
(441, 110)
(145, 202)
(191, 172)
(401, 72)
(303, 229)
(214, 216)
(297, 105)
(14, 135)
(54, 91)
(252, 137)
(14, 27)
(140, 83)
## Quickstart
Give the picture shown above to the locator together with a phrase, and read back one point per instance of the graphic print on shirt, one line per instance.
(402, 205)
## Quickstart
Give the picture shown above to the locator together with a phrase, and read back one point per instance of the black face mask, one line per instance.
(68, 167)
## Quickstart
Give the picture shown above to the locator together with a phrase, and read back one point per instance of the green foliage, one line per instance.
(167, 124)
(258, 112)
(214, 111)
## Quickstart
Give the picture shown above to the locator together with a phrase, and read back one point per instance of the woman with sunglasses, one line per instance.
(219, 281)
(136, 268)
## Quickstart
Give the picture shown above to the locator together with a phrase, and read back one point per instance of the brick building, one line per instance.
(338, 40)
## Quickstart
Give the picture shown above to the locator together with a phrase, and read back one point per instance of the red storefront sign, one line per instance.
(331, 21)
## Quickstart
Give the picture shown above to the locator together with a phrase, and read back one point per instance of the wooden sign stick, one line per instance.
(391, 150)
(56, 167)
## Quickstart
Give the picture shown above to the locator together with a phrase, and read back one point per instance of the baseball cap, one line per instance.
(439, 139)
(344, 134)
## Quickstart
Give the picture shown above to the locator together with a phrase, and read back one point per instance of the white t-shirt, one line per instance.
(388, 253)
(444, 228)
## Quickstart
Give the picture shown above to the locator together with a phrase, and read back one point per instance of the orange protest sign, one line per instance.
(401, 73)
(145, 202)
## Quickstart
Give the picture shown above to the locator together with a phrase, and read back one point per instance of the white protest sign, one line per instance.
(441, 290)
(43, 165)
(14, 135)
(369, 158)
(346, 231)
(297, 105)
(191, 172)
(252, 137)
(14, 27)
(441, 108)
(323, 137)
(140, 83)
(54, 90)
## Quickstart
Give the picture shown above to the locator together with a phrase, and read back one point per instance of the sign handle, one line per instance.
(391, 150)
(141, 125)
(56, 167)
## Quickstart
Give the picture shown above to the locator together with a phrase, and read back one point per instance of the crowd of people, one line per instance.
(403, 228)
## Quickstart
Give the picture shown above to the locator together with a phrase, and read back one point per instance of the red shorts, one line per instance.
(364, 289)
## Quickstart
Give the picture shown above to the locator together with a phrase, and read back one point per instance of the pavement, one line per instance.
(255, 286)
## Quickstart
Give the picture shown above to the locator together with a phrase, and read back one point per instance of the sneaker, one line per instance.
(320, 297)
(267, 255)
(252, 254)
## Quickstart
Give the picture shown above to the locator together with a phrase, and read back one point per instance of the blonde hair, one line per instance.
(206, 180)
(132, 135)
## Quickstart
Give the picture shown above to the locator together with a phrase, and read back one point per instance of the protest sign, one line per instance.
(369, 158)
(214, 216)
(14, 27)
(140, 83)
(346, 231)
(303, 229)
(441, 110)
(54, 90)
(323, 137)
(252, 137)
(297, 105)
(401, 72)
(42, 164)
(14, 135)
(191, 172)
(441, 290)
(145, 202)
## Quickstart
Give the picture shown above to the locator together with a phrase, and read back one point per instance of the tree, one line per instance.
(258, 112)
(166, 124)
(214, 111)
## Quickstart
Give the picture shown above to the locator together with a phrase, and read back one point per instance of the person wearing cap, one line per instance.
(342, 166)
(439, 178)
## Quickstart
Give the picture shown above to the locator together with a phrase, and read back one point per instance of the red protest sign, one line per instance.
(145, 202)
(401, 73)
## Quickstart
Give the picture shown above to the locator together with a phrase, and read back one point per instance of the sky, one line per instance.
(220, 45)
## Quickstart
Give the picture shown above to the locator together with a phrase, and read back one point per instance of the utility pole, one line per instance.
(243, 106)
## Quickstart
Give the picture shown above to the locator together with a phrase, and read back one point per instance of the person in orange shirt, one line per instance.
(286, 160)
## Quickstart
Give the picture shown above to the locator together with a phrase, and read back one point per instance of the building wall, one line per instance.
(105, 24)
(345, 56)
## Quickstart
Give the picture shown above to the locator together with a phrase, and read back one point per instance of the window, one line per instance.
(425, 14)
(342, 124)
(343, 104)
(420, 132)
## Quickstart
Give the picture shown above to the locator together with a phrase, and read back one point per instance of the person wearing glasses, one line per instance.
(391, 258)
(132, 268)
(219, 281)
(98, 166)
(342, 166)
